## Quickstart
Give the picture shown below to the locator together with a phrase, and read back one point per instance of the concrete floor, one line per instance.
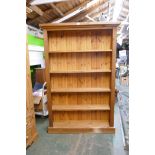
(123, 102)
(77, 144)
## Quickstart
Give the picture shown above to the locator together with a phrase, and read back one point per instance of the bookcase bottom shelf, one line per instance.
(92, 126)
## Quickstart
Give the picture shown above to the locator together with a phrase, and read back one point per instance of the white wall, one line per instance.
(36, 55)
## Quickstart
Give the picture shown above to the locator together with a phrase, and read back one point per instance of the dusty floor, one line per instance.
(77, 144)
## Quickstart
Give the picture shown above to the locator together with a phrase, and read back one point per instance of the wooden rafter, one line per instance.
(126, 4)
(28, 10)
(112, 9)
(124, 9)
(98, 13)
(40, 12)
(78, 13)
(101, 10)
(111, 14)
(90, 18)
(122, 15)
(45, 15)
(89, 10)
(71, 13)
(120, 18)
(37, 10)
(39, 2)
(97, 10)
(57, 9)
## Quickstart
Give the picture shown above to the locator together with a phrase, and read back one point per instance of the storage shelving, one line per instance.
(80, 75)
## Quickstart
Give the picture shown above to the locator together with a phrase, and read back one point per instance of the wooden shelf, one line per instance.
(103, 107)
(81, 71)
(78, 90)
(85, 126)
(81, 51)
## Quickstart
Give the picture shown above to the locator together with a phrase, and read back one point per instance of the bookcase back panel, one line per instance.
(80, 99)
(87, 80)
(86, 115)
(80, 40)
(79, 61)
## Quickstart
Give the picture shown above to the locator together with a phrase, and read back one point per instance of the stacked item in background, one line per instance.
(31, 132)
(40, 100)
(40, 93)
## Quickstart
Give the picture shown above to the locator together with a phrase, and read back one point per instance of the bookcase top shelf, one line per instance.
(79, 25)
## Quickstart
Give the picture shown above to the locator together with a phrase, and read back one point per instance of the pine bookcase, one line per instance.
(80, 75)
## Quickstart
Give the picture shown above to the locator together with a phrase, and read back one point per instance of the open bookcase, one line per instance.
(80, 75)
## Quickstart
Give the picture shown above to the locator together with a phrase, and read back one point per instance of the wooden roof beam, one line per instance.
(46, 16)
(89, 10)
(39, 2)
(98, 13)
(111, 15)
(103, 10)
(72, 12)
(28, 10)
(90, 18)
(99, 9)
(39, 11)
(112, 12)
(57, 9)
(126, 4)
(120, 18)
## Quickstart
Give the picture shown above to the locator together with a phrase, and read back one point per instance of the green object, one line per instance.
(32, 40)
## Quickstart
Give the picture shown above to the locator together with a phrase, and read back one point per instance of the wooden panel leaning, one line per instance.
(31, 132)
(80, 75)
(40, 75)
